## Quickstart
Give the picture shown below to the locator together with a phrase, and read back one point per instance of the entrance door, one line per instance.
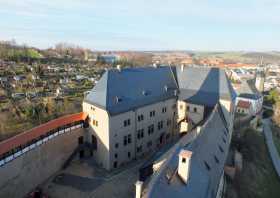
(82, 153)
(81, 140)
(94, 142)
(161, 138)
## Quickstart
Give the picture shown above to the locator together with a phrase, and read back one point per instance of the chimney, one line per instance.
(119, 68)
(175, 92)
(198, 129)
(138, 190)
(182, 67)
(184, 165)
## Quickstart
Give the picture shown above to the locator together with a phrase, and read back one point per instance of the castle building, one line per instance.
(130, 113)
(134, 111)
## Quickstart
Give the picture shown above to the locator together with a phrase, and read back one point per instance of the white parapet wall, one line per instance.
(33, 166)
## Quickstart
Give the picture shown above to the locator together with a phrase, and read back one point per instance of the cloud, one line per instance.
(162, 23)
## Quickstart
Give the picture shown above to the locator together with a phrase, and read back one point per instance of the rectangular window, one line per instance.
(195, 109)
(150, 129)
(140, 118)
(140, 133)
(152, 113)
(129, 138)
(160, 125)
(94, 122)
(188, 108)
(126, 122)
(164, 110)
(125, 140)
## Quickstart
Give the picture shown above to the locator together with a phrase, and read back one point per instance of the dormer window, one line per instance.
(166, 88)
(207, 166)
(221, 149)
(118, 99)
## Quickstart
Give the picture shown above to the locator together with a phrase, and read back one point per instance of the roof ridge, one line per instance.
(107, 89)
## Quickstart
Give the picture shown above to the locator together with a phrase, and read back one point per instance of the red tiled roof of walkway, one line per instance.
(36, 132)
(244, 104)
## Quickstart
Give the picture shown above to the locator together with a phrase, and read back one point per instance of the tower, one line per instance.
(260, 77)
(259, 81)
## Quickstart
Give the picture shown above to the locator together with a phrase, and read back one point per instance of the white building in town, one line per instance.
(250, 94)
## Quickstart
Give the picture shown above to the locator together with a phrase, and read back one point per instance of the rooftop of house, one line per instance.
(209, 152)
(129, 88)
(122, 90)
(243, 104)
(249, 90)
(205, 86)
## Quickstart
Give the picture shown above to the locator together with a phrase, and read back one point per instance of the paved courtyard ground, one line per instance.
(84, 179)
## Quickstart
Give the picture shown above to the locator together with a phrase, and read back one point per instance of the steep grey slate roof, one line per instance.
(200, 85)
(134, 87)
(249, 90)
(203, 183)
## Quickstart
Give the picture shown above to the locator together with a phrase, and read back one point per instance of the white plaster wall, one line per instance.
(118, 131)
(256, 104)
(195, 116)
(159, 116)
(101, 132)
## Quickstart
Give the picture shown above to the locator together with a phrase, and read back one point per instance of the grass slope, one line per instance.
(258, 178)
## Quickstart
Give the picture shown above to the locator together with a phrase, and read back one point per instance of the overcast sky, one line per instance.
(144, 24)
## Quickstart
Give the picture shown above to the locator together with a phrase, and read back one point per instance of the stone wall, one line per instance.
(22, 174)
